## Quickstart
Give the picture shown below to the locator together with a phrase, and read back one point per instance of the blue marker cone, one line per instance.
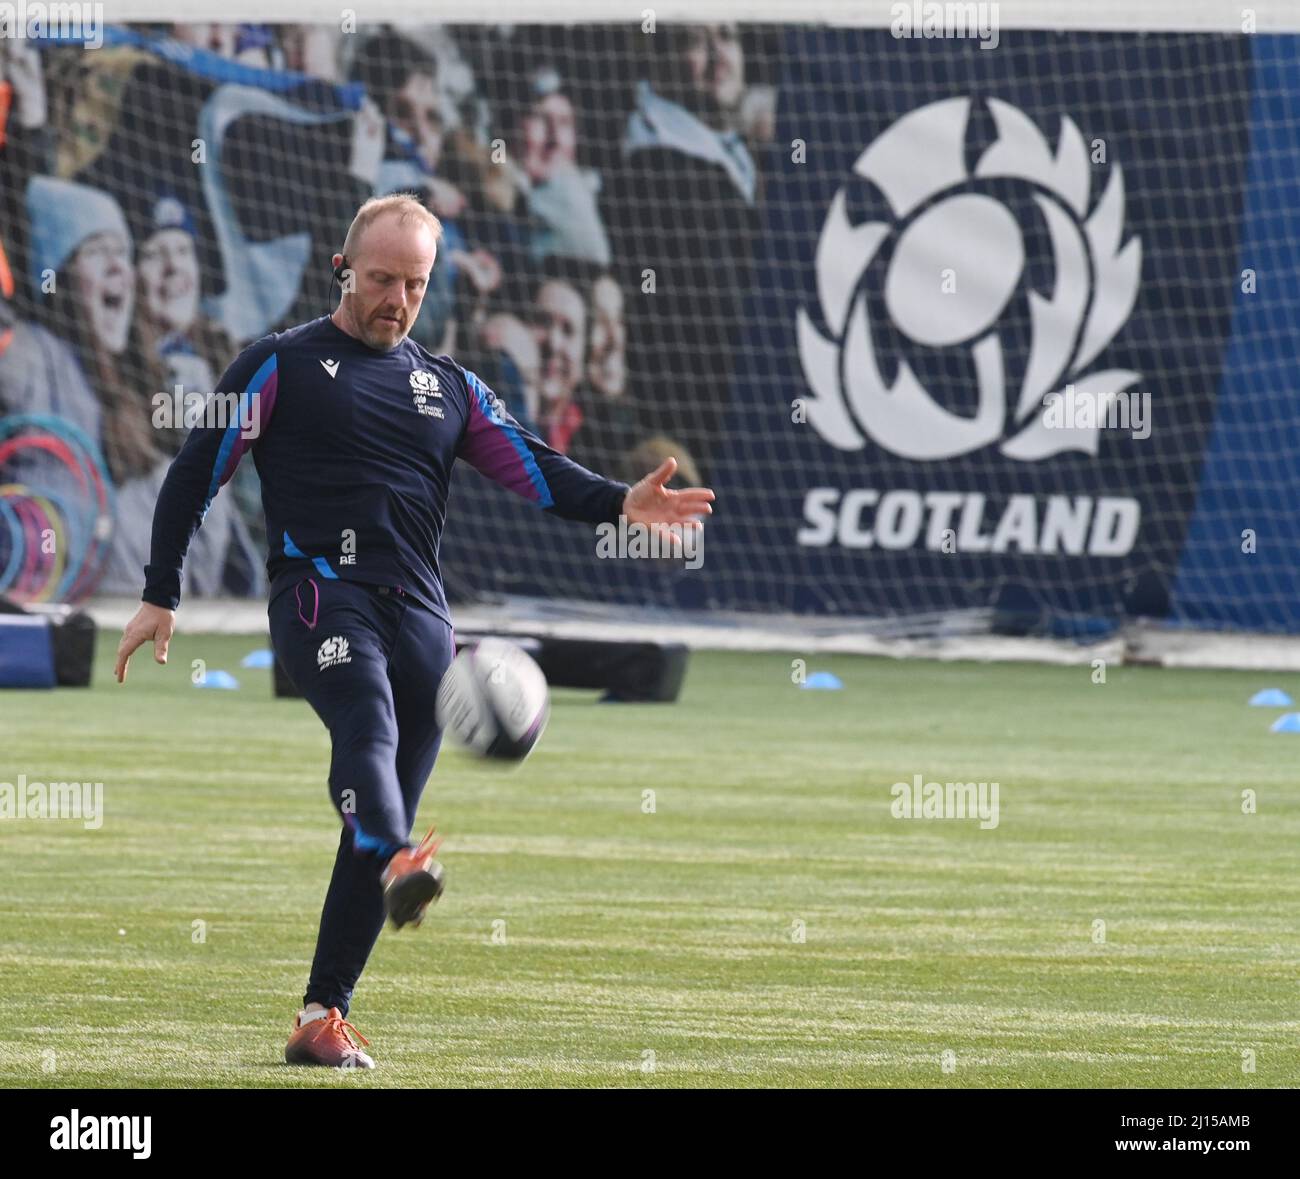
(1287, 723)
(822, 681)
(263, 658)
(218, 679)
(1271, 698)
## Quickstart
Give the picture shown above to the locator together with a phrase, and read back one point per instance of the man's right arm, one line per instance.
(236, 416)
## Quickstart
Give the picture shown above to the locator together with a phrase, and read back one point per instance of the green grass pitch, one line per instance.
(585, 942)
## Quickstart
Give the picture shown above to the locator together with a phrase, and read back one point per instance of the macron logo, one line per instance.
(330, 366)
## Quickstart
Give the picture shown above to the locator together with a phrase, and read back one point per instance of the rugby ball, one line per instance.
(494, 700)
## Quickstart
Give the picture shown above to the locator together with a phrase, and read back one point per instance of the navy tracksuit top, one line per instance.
(354, 448)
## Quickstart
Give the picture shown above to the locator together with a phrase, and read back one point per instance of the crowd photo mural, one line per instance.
(852, 280)
(176, 193)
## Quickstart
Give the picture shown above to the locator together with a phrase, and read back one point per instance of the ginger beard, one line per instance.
(386, 281)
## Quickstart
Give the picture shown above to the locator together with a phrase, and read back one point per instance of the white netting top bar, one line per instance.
(1153, 15)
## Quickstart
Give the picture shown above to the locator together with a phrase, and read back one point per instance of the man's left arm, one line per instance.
(496, 445)
(500, 448)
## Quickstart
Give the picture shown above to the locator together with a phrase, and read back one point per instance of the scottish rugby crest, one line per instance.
(958, 260)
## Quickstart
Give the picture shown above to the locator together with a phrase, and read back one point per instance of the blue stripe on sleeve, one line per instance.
(544, 497)
(249, 395)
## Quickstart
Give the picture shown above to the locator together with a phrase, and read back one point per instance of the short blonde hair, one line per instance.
(403, 204)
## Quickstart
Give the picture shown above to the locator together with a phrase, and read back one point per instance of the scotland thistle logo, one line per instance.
(333, 651)
(941, 223)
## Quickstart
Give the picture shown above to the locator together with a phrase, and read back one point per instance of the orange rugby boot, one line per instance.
(412, 879)
(326, 1040)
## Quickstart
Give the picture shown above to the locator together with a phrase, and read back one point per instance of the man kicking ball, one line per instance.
(354, 429)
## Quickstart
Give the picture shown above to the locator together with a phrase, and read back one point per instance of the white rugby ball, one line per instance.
(494, 700)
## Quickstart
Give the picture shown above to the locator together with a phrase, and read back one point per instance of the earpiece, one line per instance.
(340, 271)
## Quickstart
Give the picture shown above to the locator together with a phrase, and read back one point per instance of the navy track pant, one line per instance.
(369, 660)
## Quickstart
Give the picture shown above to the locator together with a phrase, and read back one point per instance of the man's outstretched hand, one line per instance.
(651, 502)
(150, 622)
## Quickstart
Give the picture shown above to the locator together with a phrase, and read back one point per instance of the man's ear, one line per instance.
(344, 275)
